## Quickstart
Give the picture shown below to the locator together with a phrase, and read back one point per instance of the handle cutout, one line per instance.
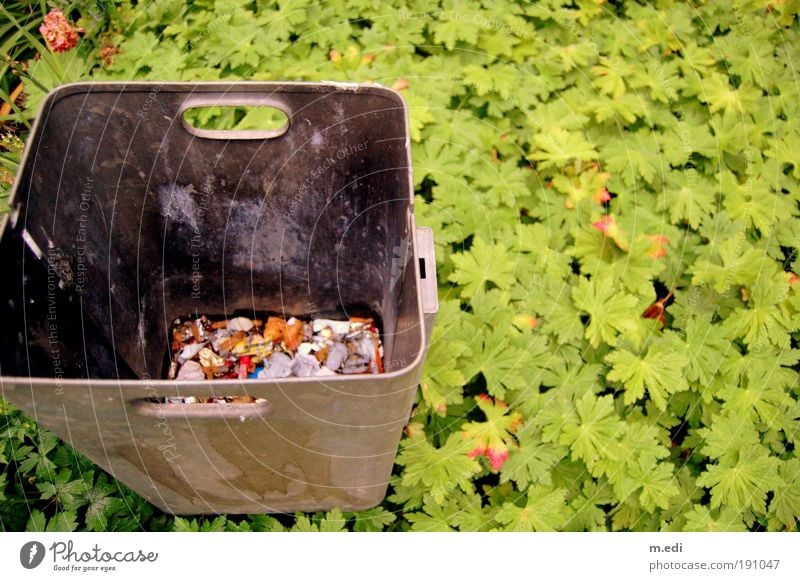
(235, 121)
(221, 407)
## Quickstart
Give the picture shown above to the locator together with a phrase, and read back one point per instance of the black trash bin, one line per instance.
(125, 217)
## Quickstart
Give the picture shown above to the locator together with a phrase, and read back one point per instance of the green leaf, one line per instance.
(706, 345)
(727, 435)
(472, 515)
(610, 311)
(101, 504)
(437, 159)
(587, 511)
(721, 96)
(64, 489)
(457, 24)
(660, 370)
(435, 517)
(745, 484)
(702, 520)
(203, 525)
(503, 185)
(560, 315)
(610, 76)
(559, 146)
(785, 503)
(508, 360)
(655, 483)
(261, 522)
(37, 461)
(483, 263)
(532, 462)
(37, 522)
(373, 520)
(442, 379)
(688, 196)
(751, 200)
(786, 150)
(545, 510)
(303, 524)
(594, 434)
(62, 522)
(730, 261)
(184, 525)
(98, 512)
(437, 471)
(632, 155)
(762, 322)
(333, 522)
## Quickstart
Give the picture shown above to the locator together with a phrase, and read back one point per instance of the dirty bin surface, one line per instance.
(125, 218)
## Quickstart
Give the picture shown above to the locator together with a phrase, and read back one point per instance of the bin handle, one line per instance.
(235, 100)
(427, 270)
(429, 292)
(238, 411)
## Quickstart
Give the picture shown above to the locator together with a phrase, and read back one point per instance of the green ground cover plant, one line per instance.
(613, 188)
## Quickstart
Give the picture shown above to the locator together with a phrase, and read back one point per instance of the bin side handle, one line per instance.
(273, 100)
(235, 411)
(427, 276)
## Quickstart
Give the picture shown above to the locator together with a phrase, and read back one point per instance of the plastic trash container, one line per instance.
(125, 217)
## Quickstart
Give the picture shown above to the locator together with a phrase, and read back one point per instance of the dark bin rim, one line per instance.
(322, 87)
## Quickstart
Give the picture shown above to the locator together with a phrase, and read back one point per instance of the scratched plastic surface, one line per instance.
(123, 220)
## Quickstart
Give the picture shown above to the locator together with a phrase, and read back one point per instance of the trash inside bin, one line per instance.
(127, 222)
(244, 347)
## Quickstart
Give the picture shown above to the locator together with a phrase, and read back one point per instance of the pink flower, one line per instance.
(107, 54)
(400, 85)
(477, 452)
(659, 242)
(58, 33)
(492, 438)
(606, 224)
(497, 457)
(602, 195)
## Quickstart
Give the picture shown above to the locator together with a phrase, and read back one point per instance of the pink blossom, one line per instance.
(476, 452)
(497, 457)
(602, 195)
(58, 33)
(605, 224)
(658, 246)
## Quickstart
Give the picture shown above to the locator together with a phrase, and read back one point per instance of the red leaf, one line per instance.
(656, 310)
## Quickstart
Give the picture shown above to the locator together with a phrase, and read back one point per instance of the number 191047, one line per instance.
(750, 564)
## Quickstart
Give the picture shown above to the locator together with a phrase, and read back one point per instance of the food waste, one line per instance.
(248, 348)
